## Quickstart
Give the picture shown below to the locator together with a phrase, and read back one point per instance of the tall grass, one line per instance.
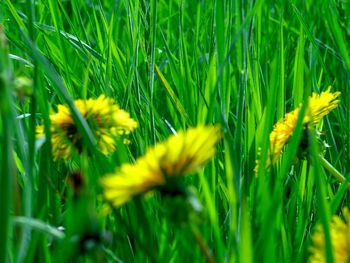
(172, 64)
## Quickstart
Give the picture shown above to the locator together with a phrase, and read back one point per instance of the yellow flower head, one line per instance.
(281, 133)
(106, 120)
(340, 239)
(180, 154)
(318, 106)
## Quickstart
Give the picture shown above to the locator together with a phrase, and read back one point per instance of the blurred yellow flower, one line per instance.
(106, 120)
(318, 106)
(180, 154)
(340, 239)
(281, 133)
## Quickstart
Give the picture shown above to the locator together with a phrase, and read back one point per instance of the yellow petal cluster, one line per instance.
(318, 106)
(340, 239)
(106, 120)
(282, 131)
(183, 153)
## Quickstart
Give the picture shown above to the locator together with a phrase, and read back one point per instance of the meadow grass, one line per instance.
(172, 64)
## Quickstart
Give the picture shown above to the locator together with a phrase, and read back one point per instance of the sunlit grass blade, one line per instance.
(7, 163)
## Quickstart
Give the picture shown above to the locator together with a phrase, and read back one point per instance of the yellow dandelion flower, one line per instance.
(340, 239)
(106, 120)
(319, 105)
(180, 154)
(281, 133)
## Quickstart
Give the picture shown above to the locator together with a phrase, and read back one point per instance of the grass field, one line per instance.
(173, 65)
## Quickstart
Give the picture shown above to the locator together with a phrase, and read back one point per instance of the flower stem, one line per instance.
(330, 168)
(203, 247)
